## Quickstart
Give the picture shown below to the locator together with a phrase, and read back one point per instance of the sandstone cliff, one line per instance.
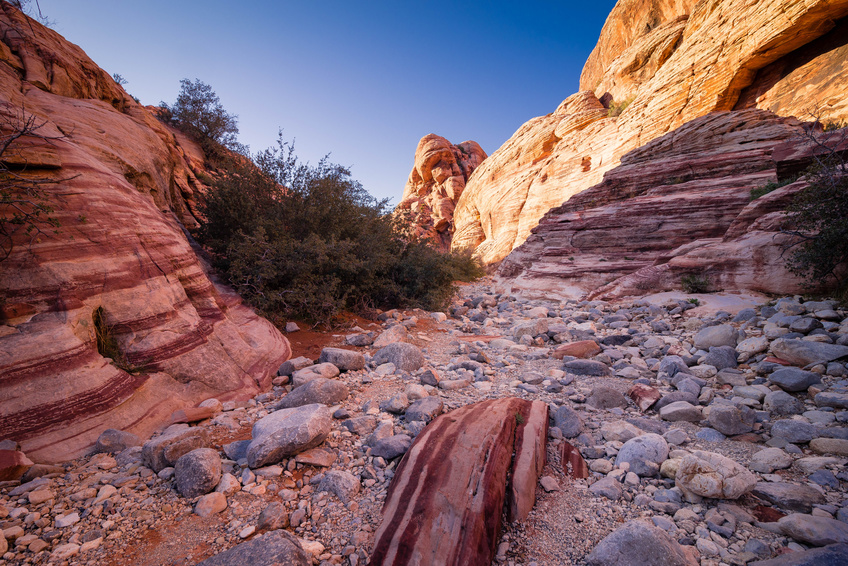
(435, 184)
(664, 63)
(679, 206)
(123, 197)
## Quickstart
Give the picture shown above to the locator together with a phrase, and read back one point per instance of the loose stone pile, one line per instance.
(719, 438)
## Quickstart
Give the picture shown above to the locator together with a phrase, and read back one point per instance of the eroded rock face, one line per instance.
(435, 184)
(124, 193)
(673, 61)
(679, 206)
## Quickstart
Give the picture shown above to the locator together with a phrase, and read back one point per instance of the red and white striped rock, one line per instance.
(126, 198)
(431, 516)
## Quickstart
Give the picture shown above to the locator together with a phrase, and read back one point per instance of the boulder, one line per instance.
(391, 447)
(620, 431)
(396, 405)
(271, 549)
(711, 336)
(581, 349)
(197, 472)
(797, 432)
(307, 374)
(405, 357)
(210, 504)
(193, 414)
(164, 450)
(794, 379)
(770, 459)
(721, 357)
(832, 399)
(590, 368)
(424, 410)
(639, 543)
(732, 420)
(605, 397)
(680, 411)
(792, 497)
(674, 397)
(810, 529)
(319, 390)
(644, 453)
(112, 441)
(273, 517)
(804, 352)
(345, 360)
(391, 335)
(782, 404)
(568, 421)
(479, 441)
(708, 474)
(830, 555)
(752, 346)
(838, 446)
(287, 432)
(643, 395)
(608, 487)
(342, 484)
(288, 367)
(13, 464)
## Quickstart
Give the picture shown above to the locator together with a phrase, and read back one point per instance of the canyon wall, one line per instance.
(122, 190)
(658, 65)
(436, 182)
(679, 207)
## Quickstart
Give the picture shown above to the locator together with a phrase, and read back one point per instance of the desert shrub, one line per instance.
(819, 217)
(199, 113)
(26, 208)
(308, 241)
(616, 108)
(107, 344)
(694, 283)
(762, 190)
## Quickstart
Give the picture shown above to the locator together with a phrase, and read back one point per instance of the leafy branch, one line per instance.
(25, 209)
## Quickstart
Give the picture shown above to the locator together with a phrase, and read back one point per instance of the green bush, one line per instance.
(819, 219)
(693, 283)
(616, 108)
(309, 242)
(757, 192)
(199, 113)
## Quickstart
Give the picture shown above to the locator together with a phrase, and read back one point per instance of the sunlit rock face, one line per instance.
(678, 206)
(660, 64)
(435, 183)
(124, 193)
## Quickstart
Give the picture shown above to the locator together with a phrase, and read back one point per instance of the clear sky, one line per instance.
(363, 81)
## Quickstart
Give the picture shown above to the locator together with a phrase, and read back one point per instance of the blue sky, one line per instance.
(363, 81)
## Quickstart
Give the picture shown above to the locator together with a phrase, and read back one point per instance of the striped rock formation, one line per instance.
(679, 206)
(665, 63)
(435, 184)
(123, 196)
(445, 502)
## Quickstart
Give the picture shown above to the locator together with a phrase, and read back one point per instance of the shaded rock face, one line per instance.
(124, 195)
(435, 184)
(674, 61)
(679, 206)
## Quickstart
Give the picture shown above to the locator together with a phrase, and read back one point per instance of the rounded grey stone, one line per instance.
(644, 453)
(198, 472)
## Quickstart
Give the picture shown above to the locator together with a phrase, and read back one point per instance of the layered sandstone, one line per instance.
(123, 195)
(670, 62)
(435, 184)
(678, 206)
(446, 500)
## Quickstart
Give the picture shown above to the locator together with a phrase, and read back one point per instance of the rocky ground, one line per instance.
(716, 437)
